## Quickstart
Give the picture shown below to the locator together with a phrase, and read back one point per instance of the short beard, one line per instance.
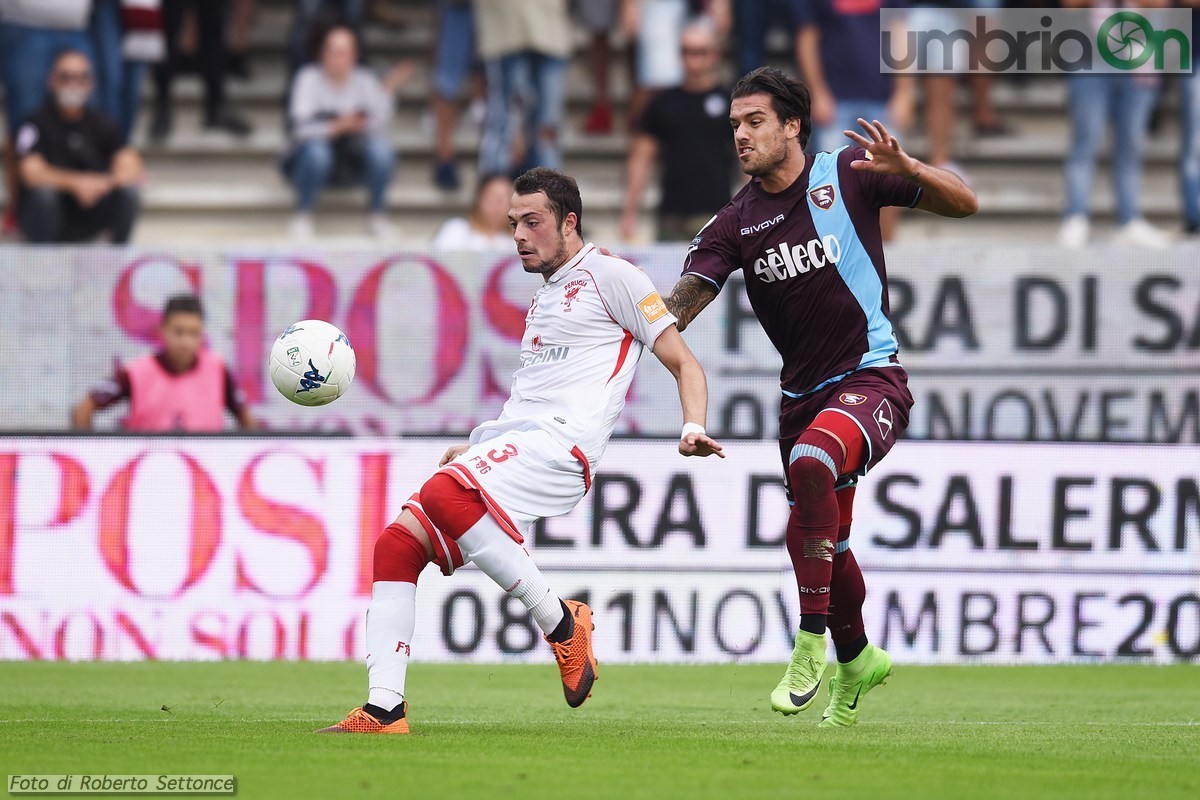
(767, 166)
(553, 263)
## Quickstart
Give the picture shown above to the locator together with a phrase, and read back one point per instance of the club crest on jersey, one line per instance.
(572, 291)
(883, 418)
(852, 399)
(536, 343)
(822, 197)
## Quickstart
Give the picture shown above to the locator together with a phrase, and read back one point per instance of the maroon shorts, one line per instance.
(876, 398)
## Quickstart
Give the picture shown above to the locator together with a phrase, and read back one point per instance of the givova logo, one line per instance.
(1027, 40)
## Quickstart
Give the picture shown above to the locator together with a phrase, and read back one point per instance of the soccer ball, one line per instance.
(312, 363)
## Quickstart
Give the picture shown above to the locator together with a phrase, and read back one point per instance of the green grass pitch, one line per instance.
(1119, 731)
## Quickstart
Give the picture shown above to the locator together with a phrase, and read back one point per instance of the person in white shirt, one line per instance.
(339, 117)
(485, 228)
(587, 327)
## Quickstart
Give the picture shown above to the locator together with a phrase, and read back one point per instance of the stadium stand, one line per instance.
(209, 186)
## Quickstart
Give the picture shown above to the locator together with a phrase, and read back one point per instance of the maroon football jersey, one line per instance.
(812, 256)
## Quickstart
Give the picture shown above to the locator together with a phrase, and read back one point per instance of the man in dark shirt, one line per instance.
(805, 233)
(77, 179)
(687, 127)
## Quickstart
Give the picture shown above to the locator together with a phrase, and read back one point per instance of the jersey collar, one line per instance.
(583, 253)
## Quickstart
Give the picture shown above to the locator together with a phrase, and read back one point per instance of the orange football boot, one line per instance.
(359, 721)
(575, 659)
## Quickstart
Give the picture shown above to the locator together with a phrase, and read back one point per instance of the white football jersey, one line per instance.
(584, 333)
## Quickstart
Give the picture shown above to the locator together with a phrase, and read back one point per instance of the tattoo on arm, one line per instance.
(689, 297)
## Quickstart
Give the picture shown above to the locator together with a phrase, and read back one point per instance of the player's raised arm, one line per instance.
(678, 358)
(942, 192)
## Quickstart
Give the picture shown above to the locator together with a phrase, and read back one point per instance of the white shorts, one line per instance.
(523, 476)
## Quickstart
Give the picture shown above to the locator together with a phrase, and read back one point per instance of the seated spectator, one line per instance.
(310, 13)
(182, 387)
(486, 225)
(340, 114)
(32, 33)
(77, 179)
(687, 128)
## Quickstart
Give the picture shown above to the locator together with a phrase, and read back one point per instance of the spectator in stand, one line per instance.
(939, 90)
(183, 387)
(599, 19)
(833, 36)
(1095, 100)
(241, 25)
(454, 52)
(212, 55)
(655, 27)
(986, 120)
(340, 117)
(313, 13)
(1189, 161)
(524, 45)
(32, 34)
(78, 178)
(752, 21)
(126, 34)
(687, 129)
(485, 228)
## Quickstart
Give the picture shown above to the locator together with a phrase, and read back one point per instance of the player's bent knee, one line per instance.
(811, 479)
(401, 551)
(815, 463)
(451, 507)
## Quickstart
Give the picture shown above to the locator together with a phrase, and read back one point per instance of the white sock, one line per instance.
(391, 618)
(507, 563)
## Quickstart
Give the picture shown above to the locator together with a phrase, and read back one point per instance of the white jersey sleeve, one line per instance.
(634, 303)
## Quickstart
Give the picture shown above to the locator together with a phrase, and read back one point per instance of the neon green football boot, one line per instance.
(850, 684)
(802, 678)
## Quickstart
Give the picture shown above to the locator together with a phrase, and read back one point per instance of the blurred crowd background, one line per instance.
(404, 120)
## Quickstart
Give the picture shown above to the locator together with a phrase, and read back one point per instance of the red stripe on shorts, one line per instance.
(463, 475)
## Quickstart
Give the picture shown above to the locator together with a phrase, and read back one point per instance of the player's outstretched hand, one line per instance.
(698, 444)
(453, 453)
(884, 154)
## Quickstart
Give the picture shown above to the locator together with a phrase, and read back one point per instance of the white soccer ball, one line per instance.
(312, 363)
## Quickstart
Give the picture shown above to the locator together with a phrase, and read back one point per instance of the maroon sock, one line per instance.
(813, 525)
(847, 593)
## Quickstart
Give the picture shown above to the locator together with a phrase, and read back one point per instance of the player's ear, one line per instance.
(792, 128)
(570, 224)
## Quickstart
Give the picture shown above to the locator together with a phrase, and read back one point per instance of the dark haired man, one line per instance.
(588, 325)
(182, 387)
(805, 231)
